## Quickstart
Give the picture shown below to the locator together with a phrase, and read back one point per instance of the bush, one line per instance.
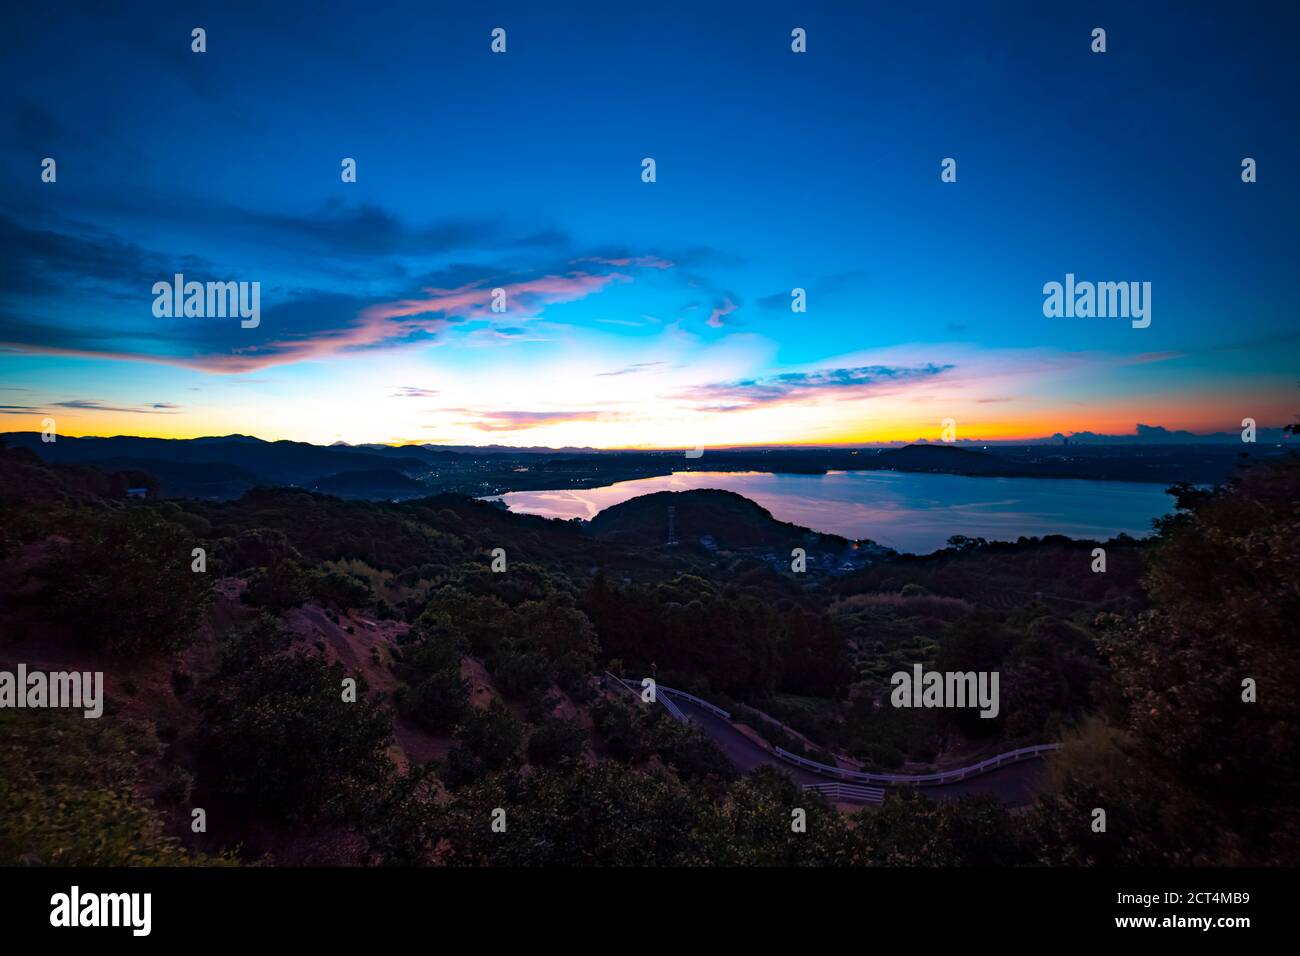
(600, 816)
(686, 749)
(557, 742)
(254, 548)
(280, 738)
(339, 590)
(68, 794)
(517, 673)
(284, 585)
(488, 740)
(437, 703)
(126, 583)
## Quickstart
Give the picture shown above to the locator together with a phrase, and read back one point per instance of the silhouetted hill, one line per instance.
(218, 467)
(176, 479)
(727, 519)
(941, 458)
(377, 483)
(26, 480)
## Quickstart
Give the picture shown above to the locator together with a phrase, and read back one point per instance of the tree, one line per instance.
(284, 585)
(556, 742)
(341, 591)
(280, 738)
(1226, 625)
(125, 582)
(587, 816)
(754, 825)
(437, 703)
(910, 829)
(487, 741)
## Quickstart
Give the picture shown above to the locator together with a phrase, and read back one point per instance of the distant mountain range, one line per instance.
(494, 449)
(227, 466)
(223, 467)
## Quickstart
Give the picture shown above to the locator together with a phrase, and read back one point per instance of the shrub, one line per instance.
(279, 737)
(284, 585)
(557, 742)
(339, 590)
(437, 703)
(126, 583)
(488, 740)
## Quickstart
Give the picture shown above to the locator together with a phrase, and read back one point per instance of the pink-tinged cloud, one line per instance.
(474, 301)
(305, 328)
(506, 421)
(626, 262)
(1147, 358)
(720, 312)
(839, 383)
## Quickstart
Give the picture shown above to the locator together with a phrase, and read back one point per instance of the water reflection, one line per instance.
(910, 512)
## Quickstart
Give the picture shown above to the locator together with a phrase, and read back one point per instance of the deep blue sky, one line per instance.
(522, 170)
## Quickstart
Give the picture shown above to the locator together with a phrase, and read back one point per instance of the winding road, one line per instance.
(1013, 784)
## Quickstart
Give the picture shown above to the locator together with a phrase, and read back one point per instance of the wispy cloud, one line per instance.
(856, 382)
(720, 311)
(523, 299)
(42, 265)
(509, 420)
(630, 370)
(624, 262)
(152, 408)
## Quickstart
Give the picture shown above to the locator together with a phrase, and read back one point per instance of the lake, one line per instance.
(906, 511)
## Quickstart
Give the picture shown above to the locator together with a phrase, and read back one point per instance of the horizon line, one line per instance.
(1169, 437)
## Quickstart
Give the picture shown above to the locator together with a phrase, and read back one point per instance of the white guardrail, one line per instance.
(849, 778)
(923, 779)
(848, 792)
(717, 711)
(673, 710)
(635, 687)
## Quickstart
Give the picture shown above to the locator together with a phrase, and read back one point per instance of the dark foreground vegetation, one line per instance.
(228, 688)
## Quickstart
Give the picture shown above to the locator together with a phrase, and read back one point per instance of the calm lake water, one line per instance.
(908, 512)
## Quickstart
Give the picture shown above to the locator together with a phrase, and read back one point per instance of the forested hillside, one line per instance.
(228, 634)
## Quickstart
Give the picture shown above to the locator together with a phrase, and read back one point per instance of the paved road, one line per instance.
(1013, 784)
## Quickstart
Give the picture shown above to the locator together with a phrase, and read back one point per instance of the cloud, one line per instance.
(80, 291)
(408, 391)
(720, 311)
(624, 262)
(1146, 358)
(504, 421)
(630, 370)
(46, 261)
(523, 299)
(153, 408)
(820, 290)
(858, 382)
(1160, 435)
